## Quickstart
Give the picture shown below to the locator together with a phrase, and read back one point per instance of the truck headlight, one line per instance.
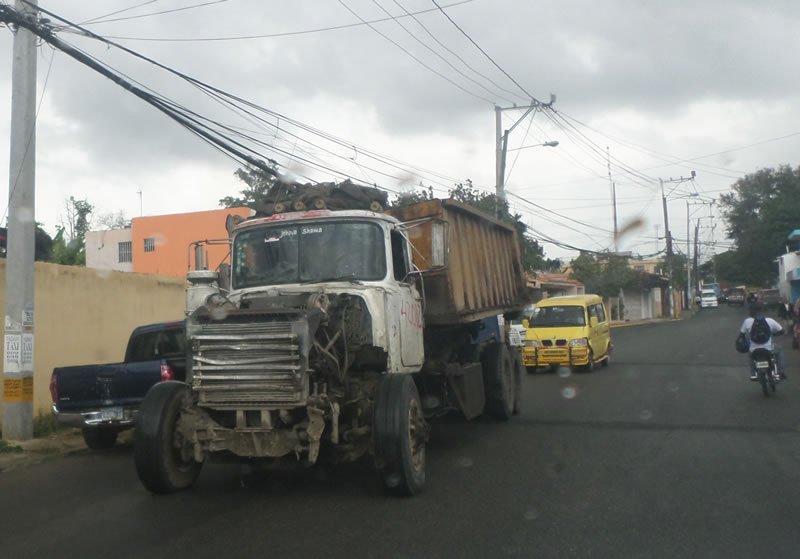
(531, 343)
(578, 342)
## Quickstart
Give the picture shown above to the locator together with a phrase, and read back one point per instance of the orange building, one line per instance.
(160, 244)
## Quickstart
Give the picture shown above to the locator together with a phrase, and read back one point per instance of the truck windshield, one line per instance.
(308, 252)
(567, 315)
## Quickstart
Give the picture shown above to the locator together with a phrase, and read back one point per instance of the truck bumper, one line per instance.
(542, 357)
(121, 418)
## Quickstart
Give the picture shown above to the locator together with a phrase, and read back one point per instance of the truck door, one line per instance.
(405, 303)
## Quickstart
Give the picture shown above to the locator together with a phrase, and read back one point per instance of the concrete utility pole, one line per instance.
(18, 340)
(668, 237)
(501, 147)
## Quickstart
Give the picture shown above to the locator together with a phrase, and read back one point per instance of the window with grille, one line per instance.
(126, 252)
(150, 245)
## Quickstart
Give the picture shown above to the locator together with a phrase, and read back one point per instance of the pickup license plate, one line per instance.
(111, 414)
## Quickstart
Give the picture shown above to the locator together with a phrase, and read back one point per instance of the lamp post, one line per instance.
(501, 147)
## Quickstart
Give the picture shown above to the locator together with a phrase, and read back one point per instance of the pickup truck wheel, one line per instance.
(519, 372)
(399, 435)
(99, 439)
(498, 381)
(158, 461)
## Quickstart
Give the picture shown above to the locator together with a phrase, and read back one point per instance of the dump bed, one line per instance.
(483, 275)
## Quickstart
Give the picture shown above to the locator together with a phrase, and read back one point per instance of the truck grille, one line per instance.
(248, 366)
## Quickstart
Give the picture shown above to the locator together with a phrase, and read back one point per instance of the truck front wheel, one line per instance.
(399, 435)
(159, 462)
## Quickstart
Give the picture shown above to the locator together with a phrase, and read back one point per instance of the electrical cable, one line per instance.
(459, 58)
(431, 49)
(471, 40)
(117, 12)
(273, 35)
(30, 138)
(183, 9)
(414, 57)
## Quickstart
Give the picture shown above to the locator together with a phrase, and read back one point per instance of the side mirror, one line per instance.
(438, 244)
(526, 324)
(224, 280)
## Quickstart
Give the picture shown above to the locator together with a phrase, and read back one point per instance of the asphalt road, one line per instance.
(670, 452)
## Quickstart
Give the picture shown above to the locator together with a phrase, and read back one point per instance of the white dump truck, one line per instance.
(335, 334)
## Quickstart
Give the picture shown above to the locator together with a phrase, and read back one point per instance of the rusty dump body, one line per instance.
(483, 275)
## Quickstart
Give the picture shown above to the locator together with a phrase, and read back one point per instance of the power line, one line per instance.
(277, 35)
(431, 49)
(445, 47)
(471, 40)
(414, 57)
(117, 12)
(183, 9)
(30, 138)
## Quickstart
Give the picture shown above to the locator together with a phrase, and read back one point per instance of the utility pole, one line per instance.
(501, 146)
(689, 290)
(18, 339)
(613, 197)
(668, 237)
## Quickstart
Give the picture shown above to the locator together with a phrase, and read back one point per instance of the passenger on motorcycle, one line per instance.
(774, 329)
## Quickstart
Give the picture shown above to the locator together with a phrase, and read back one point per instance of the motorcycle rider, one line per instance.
(776, 349)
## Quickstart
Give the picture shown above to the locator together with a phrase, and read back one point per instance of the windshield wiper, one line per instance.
(343, 277)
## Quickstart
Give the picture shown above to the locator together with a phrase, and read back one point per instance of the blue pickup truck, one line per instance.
(103, 400)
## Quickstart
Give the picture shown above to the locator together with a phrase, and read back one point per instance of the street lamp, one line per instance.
(550, 144)
(501, 146)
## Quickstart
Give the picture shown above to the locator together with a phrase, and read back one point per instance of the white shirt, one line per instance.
(773, 326)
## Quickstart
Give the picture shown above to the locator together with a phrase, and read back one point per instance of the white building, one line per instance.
(110, 250)
(789, 268)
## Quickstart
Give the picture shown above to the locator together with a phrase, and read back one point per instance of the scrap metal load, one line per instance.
(288, 197)
(480, 272)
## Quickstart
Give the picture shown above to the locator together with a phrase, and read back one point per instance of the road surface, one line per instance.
(670, 452)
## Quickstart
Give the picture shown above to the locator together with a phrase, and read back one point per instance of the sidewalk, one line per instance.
(685, 313)
(18, 454)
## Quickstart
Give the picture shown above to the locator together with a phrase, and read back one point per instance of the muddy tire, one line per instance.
(159, 464)
(498, 382)
(399, 435)
(519, 372)
(99, 439)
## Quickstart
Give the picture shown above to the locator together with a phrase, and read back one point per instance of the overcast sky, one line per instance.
(658, 89)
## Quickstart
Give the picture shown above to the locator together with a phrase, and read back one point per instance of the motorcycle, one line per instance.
(766, 368)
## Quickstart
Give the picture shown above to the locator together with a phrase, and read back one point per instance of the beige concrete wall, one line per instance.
(85, 316)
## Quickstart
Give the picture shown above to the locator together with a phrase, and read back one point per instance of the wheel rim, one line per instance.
(416, 435)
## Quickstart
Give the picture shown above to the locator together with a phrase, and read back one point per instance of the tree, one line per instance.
(603, 274)
(69, 243)
(762, 210)
(532, 252)
(43, 244)
(412, 197)
(110, 221)
(258, 184)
